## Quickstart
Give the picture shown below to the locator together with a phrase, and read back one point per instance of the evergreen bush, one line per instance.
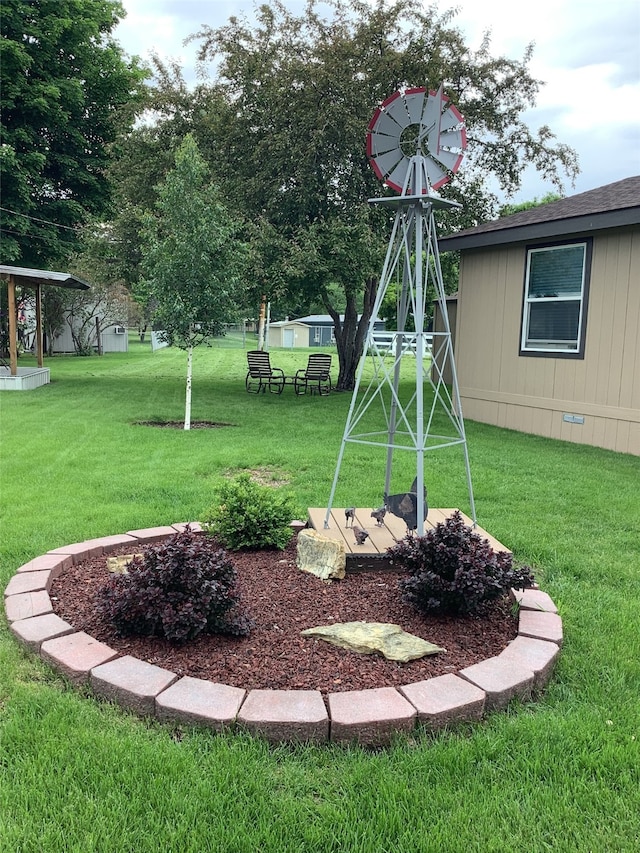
(249, 515)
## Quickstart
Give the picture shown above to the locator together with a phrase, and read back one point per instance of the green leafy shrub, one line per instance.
(249, 515)
(177, 589)
(454, 570)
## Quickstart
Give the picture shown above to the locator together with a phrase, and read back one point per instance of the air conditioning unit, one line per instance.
(119, 330)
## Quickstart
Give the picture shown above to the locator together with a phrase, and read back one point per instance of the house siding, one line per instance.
(532, 393)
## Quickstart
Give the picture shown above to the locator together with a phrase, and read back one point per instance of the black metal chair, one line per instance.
(315, 377)
(261, 375)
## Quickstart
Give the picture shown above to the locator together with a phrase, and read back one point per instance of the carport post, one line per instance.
(13, 330)
(39, 334)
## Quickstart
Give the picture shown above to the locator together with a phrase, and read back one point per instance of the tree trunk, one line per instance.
(261, 323)
(187, 407)
(351, 334)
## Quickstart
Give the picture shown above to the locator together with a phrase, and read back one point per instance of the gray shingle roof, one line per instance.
(609, 206)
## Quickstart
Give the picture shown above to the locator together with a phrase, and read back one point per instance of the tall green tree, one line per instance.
(67, 94)
(508, 209)
(147, 154)
(299, 92)
(193, 258)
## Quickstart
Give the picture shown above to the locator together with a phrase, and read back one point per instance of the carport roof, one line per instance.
(28, 277)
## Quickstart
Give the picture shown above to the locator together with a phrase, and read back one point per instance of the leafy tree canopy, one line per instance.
(192, 254)
(299, 93)
(508, 209)
(67, 93)
(284, 123)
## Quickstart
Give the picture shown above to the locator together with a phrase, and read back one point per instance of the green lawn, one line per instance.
(77, 774)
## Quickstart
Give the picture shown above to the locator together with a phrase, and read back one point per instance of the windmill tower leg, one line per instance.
(413, 248)
(402, 314)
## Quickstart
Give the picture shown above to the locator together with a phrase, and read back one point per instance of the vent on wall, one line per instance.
(573, 419)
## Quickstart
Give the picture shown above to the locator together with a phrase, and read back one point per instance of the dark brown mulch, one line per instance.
(282, 600)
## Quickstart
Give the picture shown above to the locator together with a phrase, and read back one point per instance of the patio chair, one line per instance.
(315, 376)
(261, 375)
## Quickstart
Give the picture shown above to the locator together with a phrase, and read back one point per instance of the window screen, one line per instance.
(553, 313)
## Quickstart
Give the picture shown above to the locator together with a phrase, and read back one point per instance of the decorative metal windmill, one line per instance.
(415, 143)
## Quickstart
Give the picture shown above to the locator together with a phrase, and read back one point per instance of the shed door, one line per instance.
(287, 335)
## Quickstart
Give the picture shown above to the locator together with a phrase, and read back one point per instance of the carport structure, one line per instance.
(27, 378)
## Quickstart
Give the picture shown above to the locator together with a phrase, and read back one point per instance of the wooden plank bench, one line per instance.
(372, 554)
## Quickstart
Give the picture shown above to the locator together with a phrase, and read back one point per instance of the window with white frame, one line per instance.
(555, 299)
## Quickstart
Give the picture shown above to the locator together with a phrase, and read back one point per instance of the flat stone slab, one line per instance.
(152, 534)
(502, 679)
(118, 565)
(27, 604)
(285, 715)
(370, 717)
(193, 700)
(367, 638)
(533, 599)
(75, 655)
(540, 625)
(30, 582)
(131, 682)
(537, 655)
(445, 700)
(47, 562)
(33, 632)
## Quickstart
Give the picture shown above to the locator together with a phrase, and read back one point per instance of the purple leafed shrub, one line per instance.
(454, 570)
(177, 589)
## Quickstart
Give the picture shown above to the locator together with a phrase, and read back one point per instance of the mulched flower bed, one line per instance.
(180, 424)
(282, 601)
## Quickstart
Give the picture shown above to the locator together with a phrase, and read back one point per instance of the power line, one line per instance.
(27, 236)
(45, 221)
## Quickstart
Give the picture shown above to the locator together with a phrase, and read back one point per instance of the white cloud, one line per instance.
(153, 27)
(588, 99)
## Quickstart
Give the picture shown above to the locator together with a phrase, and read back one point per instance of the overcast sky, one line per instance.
(586, 51)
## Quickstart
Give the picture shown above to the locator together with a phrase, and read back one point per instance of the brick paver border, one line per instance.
(367, 717)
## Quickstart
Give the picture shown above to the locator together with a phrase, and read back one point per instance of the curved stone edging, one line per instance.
(368, 717)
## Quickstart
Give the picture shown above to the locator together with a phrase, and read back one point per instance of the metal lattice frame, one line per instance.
(412, 258)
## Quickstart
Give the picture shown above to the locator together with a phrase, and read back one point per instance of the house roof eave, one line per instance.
(554, 228)
(29, 278)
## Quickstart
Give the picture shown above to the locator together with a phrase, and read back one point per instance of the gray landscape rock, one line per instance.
(325, 558)
(387, 639)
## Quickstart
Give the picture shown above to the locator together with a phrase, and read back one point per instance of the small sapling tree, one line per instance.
(192, 258)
